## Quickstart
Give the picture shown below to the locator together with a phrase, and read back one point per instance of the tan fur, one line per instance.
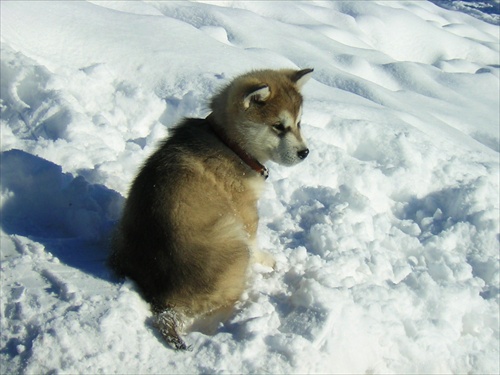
(226, 106)
(189, 225)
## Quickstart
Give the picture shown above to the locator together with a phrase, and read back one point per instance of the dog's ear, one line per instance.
(300, 77)
(257, 94)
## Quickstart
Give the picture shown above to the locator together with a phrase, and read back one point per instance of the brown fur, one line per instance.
(189, 224)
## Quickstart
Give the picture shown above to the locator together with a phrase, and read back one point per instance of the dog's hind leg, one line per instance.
(168, 324)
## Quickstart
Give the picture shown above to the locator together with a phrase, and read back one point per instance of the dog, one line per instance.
(188, 230)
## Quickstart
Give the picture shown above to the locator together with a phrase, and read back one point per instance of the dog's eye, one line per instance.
(298, 125)
(279, 127)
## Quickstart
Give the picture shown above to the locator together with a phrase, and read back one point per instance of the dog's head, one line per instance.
(261, 111)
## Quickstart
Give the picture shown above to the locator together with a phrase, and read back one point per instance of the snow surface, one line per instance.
(486, 10)
(386, 237)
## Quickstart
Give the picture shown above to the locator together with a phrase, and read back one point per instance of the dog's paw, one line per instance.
(264, 259)
(167, 323)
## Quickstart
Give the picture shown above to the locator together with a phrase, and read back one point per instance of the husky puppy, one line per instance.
(188, 230)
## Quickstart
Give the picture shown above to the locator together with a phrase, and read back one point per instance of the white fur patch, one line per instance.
(287, 119)
(286, 152)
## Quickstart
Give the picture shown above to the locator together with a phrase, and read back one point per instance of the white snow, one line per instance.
(386, 237)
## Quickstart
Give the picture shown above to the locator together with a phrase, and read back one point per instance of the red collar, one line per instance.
(243, 155)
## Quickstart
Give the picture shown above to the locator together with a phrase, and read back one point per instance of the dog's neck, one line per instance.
(243, 155)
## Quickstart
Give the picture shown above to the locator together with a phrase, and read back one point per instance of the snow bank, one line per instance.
(386, 238)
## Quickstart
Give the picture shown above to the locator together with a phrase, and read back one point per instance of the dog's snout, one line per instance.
(303, 153)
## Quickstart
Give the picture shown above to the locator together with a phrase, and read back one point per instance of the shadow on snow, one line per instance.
(72, 218)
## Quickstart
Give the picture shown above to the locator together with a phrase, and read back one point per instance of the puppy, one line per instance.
(188, 230)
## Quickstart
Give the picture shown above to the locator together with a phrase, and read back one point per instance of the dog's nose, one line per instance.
(303, 153)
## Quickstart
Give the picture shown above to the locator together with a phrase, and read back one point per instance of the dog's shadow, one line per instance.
(70, 217)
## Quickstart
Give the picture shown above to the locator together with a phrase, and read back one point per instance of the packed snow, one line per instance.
(386, 237)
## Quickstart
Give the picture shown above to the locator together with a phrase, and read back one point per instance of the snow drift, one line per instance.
(386, 238)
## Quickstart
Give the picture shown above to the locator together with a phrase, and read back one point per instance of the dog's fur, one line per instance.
(189, 225)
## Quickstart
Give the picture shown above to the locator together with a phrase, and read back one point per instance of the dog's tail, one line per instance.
(168, 323)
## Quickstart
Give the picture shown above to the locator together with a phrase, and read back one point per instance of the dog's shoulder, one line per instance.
(193, 149)
(193, 140)
(193, 137)
(189, 130)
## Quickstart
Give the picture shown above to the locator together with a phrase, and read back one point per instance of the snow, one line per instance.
(487, 10)
(386, 237)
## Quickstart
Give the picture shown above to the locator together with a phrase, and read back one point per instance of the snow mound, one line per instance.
(386, 237)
